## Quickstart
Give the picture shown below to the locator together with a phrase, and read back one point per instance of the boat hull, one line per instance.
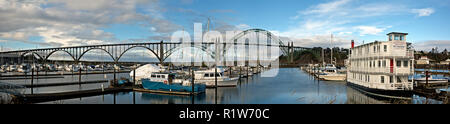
(220, 83)
(333, 77)
(382, 92)
(154, 85)
(432, 81)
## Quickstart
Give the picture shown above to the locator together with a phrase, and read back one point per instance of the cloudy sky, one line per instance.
(26, 24)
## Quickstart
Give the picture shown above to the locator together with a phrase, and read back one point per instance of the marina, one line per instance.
(294, 86)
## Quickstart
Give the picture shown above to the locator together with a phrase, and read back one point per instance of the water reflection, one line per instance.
(290, 86)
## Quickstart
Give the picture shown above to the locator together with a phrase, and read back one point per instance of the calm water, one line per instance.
(290, 86)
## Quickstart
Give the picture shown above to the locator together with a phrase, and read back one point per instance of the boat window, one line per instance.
(206, 75)
(384, 63)
(153, 76)
(391, 79)
(379, 63)
(399, 63)
(378, 48)
(396, 37)
(405, 63)
(374, 49)
(158, 76)
(382, 79)
(163, 76)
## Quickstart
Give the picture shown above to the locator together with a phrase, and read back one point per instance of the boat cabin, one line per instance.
(167, 78)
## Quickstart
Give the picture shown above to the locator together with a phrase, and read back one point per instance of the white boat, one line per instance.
(144, 72)
(12, 68)
(382, 67)
(431, 80)
(331, 73)
(207, 77)
(24, 68)
(2, 69)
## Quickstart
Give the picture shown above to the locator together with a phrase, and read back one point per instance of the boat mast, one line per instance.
(331, 44)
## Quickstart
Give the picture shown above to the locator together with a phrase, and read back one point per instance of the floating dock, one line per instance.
(64, 84)
(46, 97)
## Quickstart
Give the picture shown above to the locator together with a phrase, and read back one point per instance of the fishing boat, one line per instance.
(208, 77)
(145, 71)
(164, 81)
(331, 73)
(382, 67)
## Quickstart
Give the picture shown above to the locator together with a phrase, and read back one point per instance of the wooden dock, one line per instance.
(64, 83)
(29, 77)
(64, 74)
(46, 97)
(431, 93)
(164, 92)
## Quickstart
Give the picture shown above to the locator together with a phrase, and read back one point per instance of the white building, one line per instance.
(424, 61)
(382, 66)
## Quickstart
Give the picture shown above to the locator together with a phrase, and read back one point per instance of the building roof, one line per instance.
(397, 33)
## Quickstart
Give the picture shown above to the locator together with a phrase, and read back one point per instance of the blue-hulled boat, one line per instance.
(165, 82)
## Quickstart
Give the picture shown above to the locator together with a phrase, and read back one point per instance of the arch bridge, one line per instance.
(162, 50)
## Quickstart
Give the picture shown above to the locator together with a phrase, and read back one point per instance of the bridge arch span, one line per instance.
(33, 53)
(112, 57)
(51, 53)
(175, 49)
(154, 53)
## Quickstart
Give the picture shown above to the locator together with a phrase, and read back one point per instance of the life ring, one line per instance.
(165, 82)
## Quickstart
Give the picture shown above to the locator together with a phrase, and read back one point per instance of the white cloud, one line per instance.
(370, 30)
(76, 22)
(347, 19)
(428, 45)
(327, 7)
(423, 12)
(243, 26)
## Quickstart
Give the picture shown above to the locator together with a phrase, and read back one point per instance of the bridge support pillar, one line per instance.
(161, 53)
(291, 52)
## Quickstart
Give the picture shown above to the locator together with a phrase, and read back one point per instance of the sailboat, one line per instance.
(330, 72)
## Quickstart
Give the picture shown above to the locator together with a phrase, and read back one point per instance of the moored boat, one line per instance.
(208, 77)
(165, 82)
(382, 67)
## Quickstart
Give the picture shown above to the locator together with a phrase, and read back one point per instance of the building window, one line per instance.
(405, 64)
(399, 80)
(401, 37)
(390, 37)
(399, 63)
(391, 79)
(385, 48)
(384, 63)
(382, 79)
